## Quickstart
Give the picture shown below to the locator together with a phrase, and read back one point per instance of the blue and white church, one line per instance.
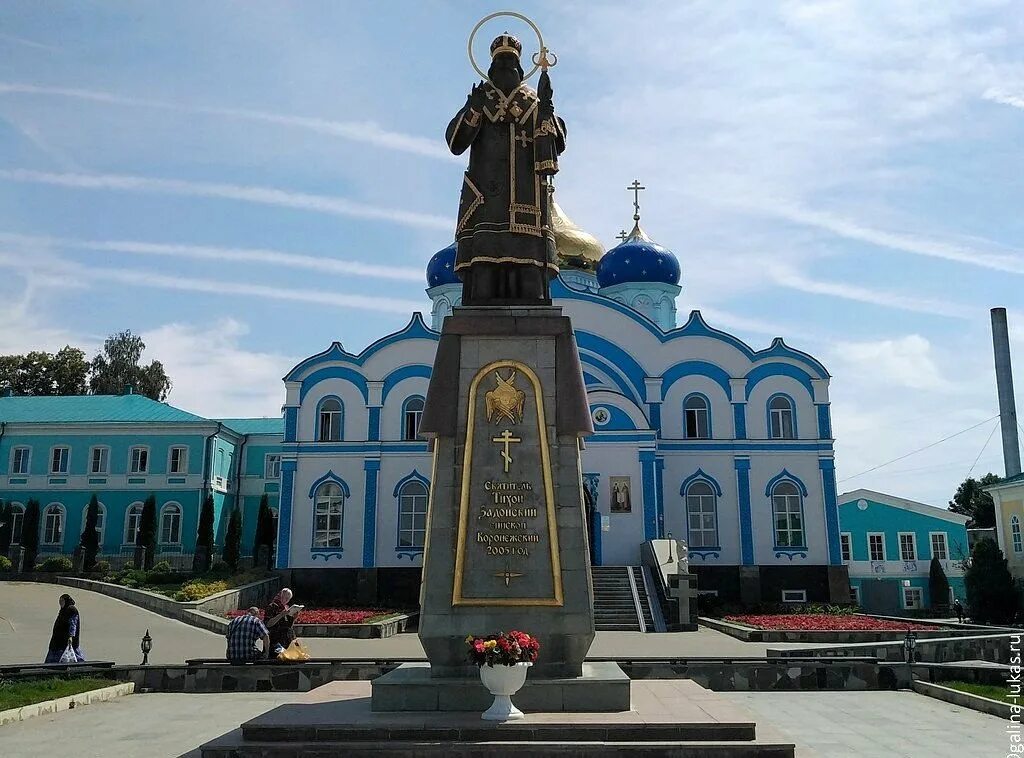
(698, 436)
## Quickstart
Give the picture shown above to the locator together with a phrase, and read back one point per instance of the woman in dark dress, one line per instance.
(66, 629)
(279, 617)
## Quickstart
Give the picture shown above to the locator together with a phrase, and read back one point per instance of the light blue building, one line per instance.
(888, 544)
(62, 450)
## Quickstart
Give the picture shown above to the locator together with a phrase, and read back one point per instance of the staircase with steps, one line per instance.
(621, 602)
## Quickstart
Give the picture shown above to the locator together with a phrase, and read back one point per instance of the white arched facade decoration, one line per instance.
(328, 515)
(54, 521)
(170, 524)
(17, 520)
(132, 519)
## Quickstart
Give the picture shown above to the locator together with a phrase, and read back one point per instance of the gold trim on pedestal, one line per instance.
(549, 496)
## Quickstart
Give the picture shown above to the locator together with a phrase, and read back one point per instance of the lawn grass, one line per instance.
(991, 691)
(15, 694)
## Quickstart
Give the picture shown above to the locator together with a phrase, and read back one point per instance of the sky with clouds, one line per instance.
(245, 182)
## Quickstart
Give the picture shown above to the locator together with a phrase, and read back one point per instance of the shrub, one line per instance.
(163, 567)
(30, 534)
(146, 536)
(101, 567)
(56, 564)
(197, 590)
(90, 539)
(5, 563)
(991, 593)
(221, 568)
(233, 539)
(204, 537)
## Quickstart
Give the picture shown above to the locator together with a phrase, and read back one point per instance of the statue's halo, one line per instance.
(484, 20)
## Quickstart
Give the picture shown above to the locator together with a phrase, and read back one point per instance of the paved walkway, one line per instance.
(112, 629)
(822, 724)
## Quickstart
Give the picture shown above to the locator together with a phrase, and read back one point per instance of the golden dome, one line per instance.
(575, 248)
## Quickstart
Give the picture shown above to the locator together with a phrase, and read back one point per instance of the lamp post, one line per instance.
(147, 645)
(670, 543)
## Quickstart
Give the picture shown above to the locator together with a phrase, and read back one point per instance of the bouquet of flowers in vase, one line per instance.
(503, 649)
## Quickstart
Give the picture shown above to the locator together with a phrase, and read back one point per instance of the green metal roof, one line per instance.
(254, 425)
(85, 409)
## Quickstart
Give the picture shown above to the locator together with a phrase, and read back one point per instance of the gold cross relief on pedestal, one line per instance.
(506, 439)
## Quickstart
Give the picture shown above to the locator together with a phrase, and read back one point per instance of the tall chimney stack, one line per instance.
(1004, 385)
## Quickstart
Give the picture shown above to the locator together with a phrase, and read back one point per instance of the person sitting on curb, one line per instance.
(242, 634)
(279, 617)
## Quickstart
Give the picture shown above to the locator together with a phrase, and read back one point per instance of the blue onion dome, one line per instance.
(441, 267)
(638, 259)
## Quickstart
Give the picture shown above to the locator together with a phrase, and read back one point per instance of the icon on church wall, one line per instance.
(621, 501)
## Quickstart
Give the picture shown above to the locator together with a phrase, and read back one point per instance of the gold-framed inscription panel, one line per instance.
(547, 492)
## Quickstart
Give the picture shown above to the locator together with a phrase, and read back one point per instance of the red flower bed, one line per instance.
(823, 622)
(330, 615)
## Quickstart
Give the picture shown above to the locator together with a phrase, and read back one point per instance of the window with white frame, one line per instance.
(17, 519)
(53, 524)
(940, 549)
(701, 515)
(845, 546)
(99, 460)
(696, 418)
(412, 514)
(787, 511)
(329, 509)
(1015, 534)
(794, 596)
(913, 597)
(908, 546)
(20, 459)
(411, 418)
(876, 547)
(272, 466)
(329, 421)
(59, 459)
(177, 460)
(131, 524)
(170, 524)
(101, 520)
(139, 460)
(780, 418)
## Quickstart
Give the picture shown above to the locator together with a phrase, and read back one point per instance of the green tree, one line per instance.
(974, 503)
(204, 538)
(90, 535)
(30, 534)
(6, 527)
(938, 584)
(119, 366)
(264, 527)
(40, 373)
(146, 536)
(233, 539)
(991, 592)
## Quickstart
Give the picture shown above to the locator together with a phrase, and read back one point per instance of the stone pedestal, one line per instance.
(506, 544)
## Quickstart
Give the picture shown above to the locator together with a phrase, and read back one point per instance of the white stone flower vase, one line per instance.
(503, 682)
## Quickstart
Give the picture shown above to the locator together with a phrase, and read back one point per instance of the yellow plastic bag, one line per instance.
(295, 652)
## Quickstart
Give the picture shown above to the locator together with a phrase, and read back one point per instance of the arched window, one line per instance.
(412, 412)
(701, 515)
(329, 509)
(131, 523)
(412, 514)
(17, 519)
(781, 418)
(1015, 533)
(53, 524)
(788, 513)
(101, 520)
(696, 418)
(328, 427)
(170, 524)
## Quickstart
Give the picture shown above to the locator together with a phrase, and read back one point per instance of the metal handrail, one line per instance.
(636, 599)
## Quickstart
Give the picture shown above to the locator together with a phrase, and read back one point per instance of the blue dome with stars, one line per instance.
(638, 259)
(441, 267)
